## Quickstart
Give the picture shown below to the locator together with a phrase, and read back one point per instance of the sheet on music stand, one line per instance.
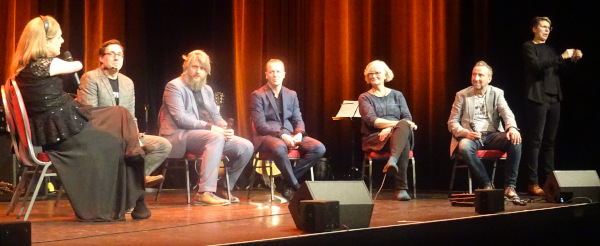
(348, 109)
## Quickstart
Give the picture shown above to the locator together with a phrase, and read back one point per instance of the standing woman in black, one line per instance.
(95, 150)
(387, 124)
(542, 108)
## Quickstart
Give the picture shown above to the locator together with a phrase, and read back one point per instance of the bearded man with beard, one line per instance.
(192, 123)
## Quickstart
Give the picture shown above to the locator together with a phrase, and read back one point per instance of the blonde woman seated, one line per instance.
(95, 150)
(387, 124)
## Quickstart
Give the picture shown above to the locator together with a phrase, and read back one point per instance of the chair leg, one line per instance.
(452, 176)
(362, 170)
(371, 176)
(227, 182)
(187, 178)
(61, 190)
(470, 181)
(28, 192)
(252, 176)
(164, 173)
(494, 170)
(35, 193)
(18, 190)
(271, 179)
(414, 174)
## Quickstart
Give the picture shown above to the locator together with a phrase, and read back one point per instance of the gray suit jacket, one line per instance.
(97, 92)
(266, 120)
(463, 111)
(179, 114)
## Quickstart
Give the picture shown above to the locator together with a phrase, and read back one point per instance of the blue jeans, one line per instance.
(492, 141)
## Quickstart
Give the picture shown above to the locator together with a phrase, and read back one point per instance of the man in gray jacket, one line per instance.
(475, 124)
(105, 86)
(192, 123)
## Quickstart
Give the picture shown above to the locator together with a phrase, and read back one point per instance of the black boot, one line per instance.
(141, 211)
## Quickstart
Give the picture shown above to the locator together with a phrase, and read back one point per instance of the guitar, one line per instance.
(219, 100)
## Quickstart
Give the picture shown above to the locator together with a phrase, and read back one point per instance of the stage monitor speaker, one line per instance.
(15, 233)
(319, 215)
(572, 186)
(356, 204)
(489, 201)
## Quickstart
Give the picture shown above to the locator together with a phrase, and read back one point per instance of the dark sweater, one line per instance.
(542, 65)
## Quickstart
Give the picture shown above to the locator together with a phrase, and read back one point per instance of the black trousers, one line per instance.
(539, 136)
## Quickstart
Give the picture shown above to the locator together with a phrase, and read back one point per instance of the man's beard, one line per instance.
(196, 83)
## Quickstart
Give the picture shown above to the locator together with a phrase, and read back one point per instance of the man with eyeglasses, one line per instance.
(543, 96)
(105, 86)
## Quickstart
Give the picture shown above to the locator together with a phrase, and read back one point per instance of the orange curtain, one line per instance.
(13, 18)
(104, 20)
(326, 45)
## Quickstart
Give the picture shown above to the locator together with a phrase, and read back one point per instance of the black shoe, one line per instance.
(296, 187)
(222, 193)
(288, 193)
(280, 185)
(140, 211)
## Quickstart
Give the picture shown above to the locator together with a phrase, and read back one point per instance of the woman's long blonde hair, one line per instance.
(32, 43)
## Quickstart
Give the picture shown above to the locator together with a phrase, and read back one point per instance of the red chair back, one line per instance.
(21, 121)
(10, 124)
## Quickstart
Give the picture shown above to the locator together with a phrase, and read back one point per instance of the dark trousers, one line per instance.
(399, 145)
(540, 135)
(311, 151)
(491, 141)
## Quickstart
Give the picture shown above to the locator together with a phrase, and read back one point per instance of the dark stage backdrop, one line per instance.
(430, 45)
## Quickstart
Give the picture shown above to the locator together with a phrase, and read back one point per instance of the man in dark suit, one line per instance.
(278, 126)
(106, 86)
(476, 123)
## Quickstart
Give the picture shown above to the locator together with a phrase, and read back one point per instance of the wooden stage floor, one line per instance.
(174, 222)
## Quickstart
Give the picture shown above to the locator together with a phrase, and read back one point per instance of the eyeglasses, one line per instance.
(375, 73)
(113, 54)
(546, 27)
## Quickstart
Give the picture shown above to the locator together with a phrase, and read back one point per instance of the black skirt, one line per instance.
(101, 167)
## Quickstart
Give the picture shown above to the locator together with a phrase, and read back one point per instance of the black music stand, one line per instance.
(349, 110)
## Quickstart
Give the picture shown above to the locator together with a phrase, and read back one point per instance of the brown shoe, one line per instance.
(534, 190)
(210, 199)
(511, 194)
(152, 181)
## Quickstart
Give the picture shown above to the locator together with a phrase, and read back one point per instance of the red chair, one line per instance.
(492, 155)
(18, 126)
(384, 156)
(171, 163)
